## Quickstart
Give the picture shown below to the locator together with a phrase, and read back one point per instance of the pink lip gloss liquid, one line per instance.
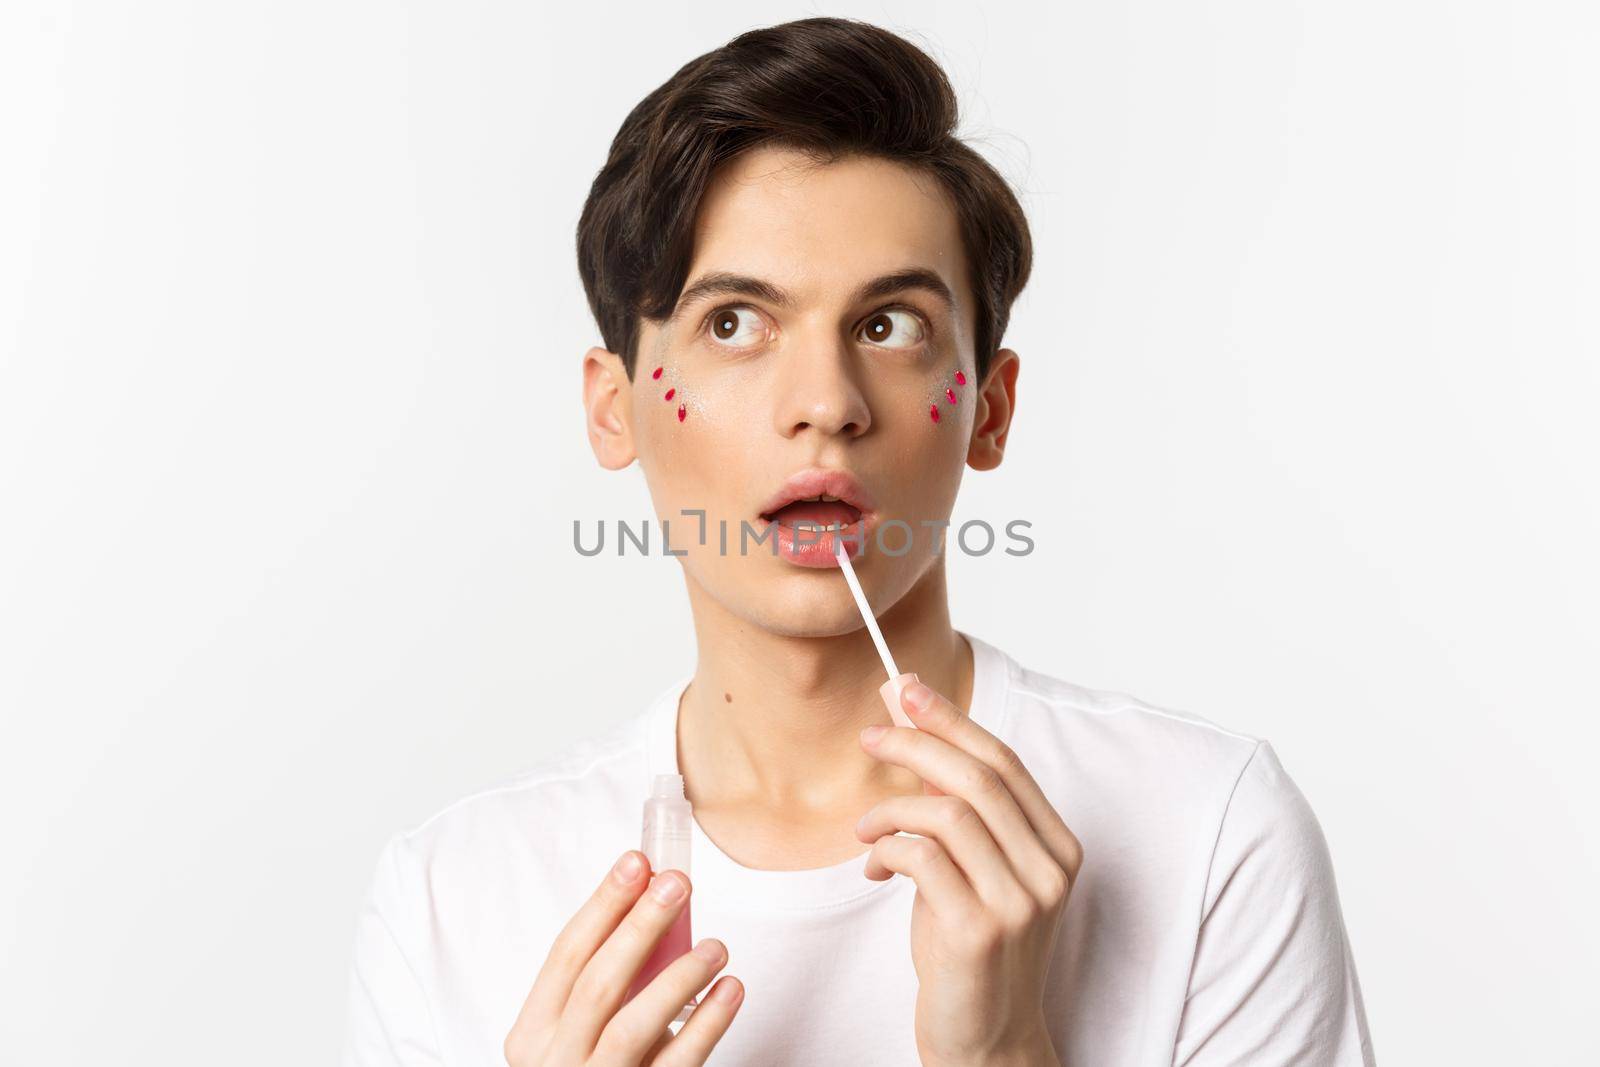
(668, 820)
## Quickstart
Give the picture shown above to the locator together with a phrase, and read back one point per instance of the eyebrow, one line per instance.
(723, 283)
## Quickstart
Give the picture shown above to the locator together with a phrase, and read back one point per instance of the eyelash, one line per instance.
(927, 325)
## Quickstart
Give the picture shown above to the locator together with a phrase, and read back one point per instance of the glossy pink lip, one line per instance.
(818, 550)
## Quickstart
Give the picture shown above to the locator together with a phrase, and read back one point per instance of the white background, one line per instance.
(290, 447)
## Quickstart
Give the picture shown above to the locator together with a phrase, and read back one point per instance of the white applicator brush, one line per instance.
(890, 690)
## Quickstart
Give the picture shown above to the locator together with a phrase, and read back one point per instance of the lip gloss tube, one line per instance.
(668, 820)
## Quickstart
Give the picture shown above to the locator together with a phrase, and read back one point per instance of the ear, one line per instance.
(608, 408)
(997, 402)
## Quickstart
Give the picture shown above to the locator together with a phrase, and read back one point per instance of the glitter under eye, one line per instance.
(675, 389)
(949, 395)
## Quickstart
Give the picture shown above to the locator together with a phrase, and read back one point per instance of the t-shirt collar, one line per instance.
(735, 885)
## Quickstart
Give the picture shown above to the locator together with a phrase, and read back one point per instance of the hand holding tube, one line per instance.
(577, 1011)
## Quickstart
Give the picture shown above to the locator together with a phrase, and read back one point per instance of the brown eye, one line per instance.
(728, 323)
(893, 329)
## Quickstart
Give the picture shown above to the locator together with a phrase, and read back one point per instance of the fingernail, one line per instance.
(919, 696)
(871, 734)
(709, 950)
(727, 992)
(627, 868)
(667, 889)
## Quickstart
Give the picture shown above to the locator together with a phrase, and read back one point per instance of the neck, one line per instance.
(773, 721)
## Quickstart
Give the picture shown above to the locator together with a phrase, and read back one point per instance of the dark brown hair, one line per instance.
(831, 87)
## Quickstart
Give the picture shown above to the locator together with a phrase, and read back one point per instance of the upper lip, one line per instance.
(819, 481)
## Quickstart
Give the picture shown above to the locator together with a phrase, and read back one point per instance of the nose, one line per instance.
(819, 389)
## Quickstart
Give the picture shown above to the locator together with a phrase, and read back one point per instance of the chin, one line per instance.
(784, 599)
(786, 622)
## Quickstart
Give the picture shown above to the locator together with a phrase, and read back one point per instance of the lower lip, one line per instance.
(817, 548)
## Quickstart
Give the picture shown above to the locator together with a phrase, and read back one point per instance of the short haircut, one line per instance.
(830, 87)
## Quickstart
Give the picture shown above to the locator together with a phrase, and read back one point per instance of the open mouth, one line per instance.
(819, 513)
(814, 512)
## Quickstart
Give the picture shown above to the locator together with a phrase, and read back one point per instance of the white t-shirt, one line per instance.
(1204, 927)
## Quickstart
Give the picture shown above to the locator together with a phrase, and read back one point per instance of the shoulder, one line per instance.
(1108, 732)
(581, 767)
(557, 821)
(582, 778)
(1272, 968)
(1036, 695)
(1270, 838)
(1119, 762)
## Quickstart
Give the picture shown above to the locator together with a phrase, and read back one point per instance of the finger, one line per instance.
(932, 712)
(660, 1043)
(578, 940)
(957, 826)
(706, 1025)
(962, 774)
(600, 987)
(924, 861)
(627, 1038)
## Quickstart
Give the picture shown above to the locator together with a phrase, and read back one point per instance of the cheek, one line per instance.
(945, 394)
(698, 426)
(724, 405)
(669, 388)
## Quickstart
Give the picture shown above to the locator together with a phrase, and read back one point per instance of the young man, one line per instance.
(802, 279)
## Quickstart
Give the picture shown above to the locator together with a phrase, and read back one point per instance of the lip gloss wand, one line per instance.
(890, 690)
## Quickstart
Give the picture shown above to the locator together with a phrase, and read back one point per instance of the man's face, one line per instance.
(738, 391)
